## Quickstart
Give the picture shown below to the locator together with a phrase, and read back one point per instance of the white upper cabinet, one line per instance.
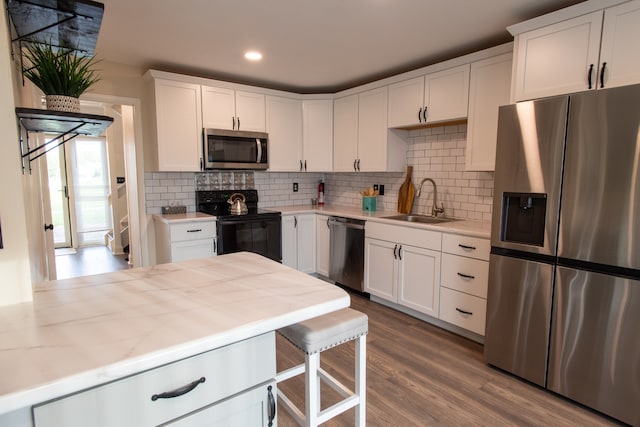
(176, 126)
(345, 134)
(433, 98)
(284, 126)
(446, 94)
(406, 103)
(579, 54)
(489, 88)
(224, 108)
(300, 134)
(317, 138)
(372, 130)
(618, 49)
(362, 140)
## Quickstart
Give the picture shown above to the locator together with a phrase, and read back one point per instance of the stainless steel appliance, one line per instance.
(346, 259)
(258, 231)
(564, 279)
(232, 149)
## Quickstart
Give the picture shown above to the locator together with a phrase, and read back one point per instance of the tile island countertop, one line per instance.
(82, 332)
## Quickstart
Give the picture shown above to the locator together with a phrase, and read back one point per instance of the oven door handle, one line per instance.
(259, 145)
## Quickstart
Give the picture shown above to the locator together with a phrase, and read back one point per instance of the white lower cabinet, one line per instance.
(182, 241)
(323, 245)
(402, 265)
(465, 277)
(224, 383)
(299, 241)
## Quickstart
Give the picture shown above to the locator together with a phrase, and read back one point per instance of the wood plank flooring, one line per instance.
(89, 260)
(421, 375)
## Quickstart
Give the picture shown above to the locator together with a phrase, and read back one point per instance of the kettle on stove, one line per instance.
(238, 205)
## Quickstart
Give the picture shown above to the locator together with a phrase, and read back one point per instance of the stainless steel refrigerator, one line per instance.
(564, 278)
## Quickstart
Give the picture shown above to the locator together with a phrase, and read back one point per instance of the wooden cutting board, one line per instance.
(406, 193)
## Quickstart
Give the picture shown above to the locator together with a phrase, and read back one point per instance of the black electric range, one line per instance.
(258, 231)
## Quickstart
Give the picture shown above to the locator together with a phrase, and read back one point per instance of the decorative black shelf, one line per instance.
(72, 24)
(64, 125)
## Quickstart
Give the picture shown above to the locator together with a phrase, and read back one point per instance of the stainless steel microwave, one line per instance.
(232, 149)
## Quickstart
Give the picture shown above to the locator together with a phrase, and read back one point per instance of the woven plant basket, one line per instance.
(63, 103)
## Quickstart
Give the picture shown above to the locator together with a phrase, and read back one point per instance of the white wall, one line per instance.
(15, 285)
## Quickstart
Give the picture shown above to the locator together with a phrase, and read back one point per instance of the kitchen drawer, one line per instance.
(128, 402)
(463, 310)
(472, 247)
(192, 230)
(249, 409)
(192, 249)
(427, 239)
(467, 275)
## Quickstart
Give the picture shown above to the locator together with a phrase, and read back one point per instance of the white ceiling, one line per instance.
(309, 46)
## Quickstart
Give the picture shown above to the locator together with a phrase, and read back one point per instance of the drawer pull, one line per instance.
(195, 230)
(271, 410)
(464, 311)
(466, 276)
(179, 391)
(469, 248)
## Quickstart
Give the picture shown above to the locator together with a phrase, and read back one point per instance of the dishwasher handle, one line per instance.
(346, 222)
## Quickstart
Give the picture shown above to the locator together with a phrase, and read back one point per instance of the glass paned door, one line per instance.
(59, 197)
(91, 190)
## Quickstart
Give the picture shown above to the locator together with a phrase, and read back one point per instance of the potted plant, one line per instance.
(61, 73)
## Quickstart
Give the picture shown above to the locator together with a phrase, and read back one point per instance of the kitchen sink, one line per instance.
(423, 219)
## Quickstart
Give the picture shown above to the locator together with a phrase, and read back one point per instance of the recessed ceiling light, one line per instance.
(253, 56)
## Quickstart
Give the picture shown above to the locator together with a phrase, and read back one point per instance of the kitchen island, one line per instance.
(79, 334)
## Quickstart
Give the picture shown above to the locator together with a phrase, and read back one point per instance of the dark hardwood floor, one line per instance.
(421, 375)
(89, 260)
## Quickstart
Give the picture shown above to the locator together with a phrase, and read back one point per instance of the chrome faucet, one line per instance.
(435, 210)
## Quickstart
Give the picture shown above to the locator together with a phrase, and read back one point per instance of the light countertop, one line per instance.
(82, 332)
(183, 217)
(471, 228)
(466, 227)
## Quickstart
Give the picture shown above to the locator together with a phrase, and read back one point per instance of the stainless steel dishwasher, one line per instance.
(346, 259)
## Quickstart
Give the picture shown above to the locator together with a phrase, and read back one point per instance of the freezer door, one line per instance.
(595, 346)
(600, 218)
(518, 315)
(528, 175)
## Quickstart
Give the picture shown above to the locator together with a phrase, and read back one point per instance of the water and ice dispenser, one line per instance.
(523, 218)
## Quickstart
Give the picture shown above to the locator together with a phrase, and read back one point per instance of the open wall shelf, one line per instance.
(62, 126)
(68, 24)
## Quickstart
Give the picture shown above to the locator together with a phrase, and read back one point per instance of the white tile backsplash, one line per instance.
(437, 153)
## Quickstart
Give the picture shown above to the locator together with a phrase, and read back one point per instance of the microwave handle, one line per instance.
(259, 159)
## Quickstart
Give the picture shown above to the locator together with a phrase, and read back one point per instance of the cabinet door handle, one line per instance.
(354, 165)
(238, 123)
(195, 230)
(589, 75)
(179, 391)
(400, 253)
(395, 255)
(358, 165)
(305, 165)
(469, 313)
(215, 246)
(420, 115)
(300, 165)
(271, 410)
(295, 222)
(424, 114)
(604, 65)
(466, 276)
(469, 248)
(233, 123)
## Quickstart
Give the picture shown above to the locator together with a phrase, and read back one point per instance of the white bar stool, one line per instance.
(312, 337)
